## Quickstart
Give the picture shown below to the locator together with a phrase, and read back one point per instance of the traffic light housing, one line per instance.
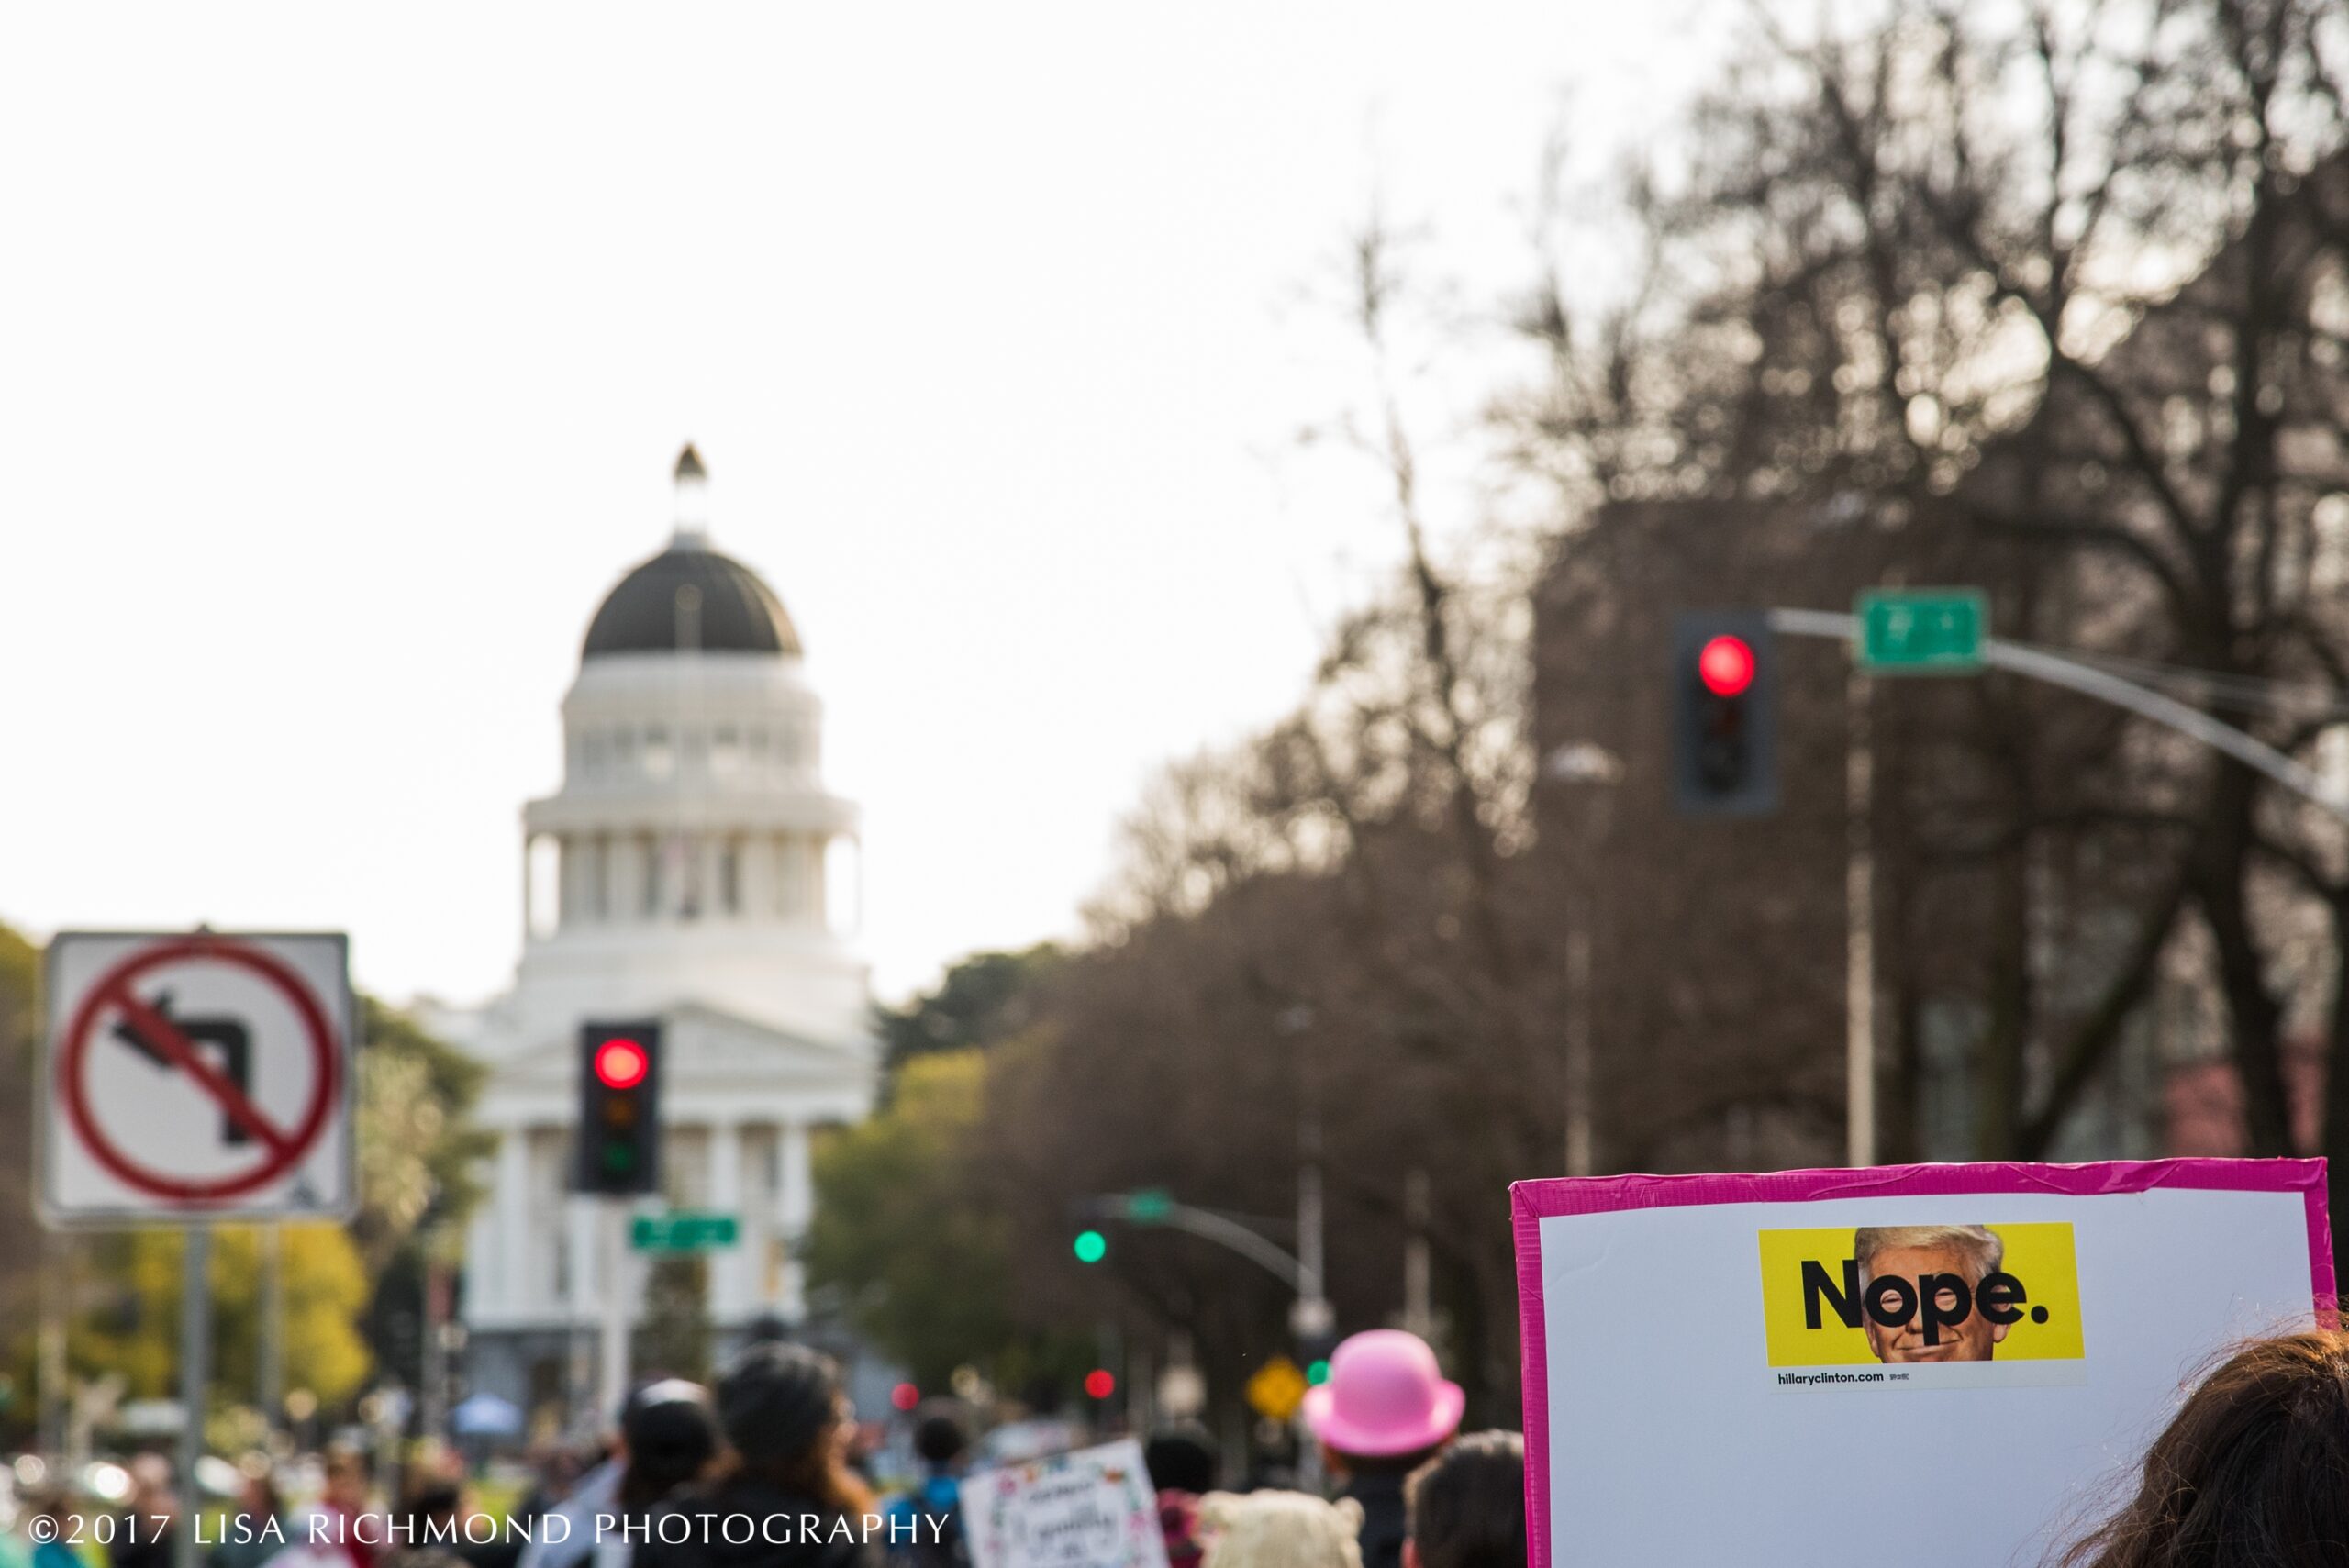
(1724, 714)
(619, 1109)
(1313, 1352)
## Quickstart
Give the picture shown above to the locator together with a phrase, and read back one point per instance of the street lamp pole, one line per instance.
(1582, 762)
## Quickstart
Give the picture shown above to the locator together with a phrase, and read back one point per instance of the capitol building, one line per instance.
(686, 870)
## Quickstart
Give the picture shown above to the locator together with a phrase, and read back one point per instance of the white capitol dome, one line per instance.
(682, 871)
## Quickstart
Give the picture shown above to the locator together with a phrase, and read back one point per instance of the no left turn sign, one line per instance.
(203, 1075)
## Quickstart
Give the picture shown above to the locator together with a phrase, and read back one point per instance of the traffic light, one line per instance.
(619, 1109)
(1099, 1383)
(1313, 1352)
(1724, 714)
(1090, 1246)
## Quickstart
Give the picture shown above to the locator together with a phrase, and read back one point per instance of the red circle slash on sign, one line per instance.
(285, 1146)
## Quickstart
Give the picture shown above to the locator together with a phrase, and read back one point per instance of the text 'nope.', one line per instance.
(1946, 1300)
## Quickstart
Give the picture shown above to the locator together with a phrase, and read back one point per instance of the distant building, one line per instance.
(682, 871)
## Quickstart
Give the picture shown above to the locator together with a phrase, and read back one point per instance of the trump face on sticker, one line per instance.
(1932, 1293)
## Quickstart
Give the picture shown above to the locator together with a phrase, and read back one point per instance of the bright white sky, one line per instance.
(344, 352)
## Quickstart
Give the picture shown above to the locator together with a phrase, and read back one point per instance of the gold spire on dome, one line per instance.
(693, 502)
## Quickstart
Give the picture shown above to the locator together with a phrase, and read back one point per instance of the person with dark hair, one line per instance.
(54, 1505)
(926, 1523)
(247, 1540)
(150, 1518)
(666, 1439)
(1181, 1458)
(788, 1498)
(669, 1438)
(1385, 1410)
(342, 1502)
(1181, 1461)
(1467, 1506)
(2252, 1472)
(428, 1528)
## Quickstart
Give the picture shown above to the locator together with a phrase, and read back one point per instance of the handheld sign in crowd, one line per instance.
(1092, 1508)
(1934, 1365)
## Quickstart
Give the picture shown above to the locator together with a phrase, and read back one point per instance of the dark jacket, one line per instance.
(779, 1534)
(1381, 1496)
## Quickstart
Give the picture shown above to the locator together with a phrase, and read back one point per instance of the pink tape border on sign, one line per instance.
(1533, 1202)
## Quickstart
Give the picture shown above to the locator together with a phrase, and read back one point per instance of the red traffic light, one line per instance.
(905, 1396)
(620, 1063)
(1726, 665)
(1099, 1383)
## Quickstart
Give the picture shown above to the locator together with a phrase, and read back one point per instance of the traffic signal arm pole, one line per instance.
(2039, 664)
(1229, 1234)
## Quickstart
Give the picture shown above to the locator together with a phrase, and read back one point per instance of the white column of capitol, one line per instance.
(729, 1301)
(796, 1205)
(514, 1218)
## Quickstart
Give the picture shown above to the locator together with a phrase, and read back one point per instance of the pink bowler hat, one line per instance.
(1386, 1395)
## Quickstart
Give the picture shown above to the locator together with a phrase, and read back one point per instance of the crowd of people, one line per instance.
(2253, 1472)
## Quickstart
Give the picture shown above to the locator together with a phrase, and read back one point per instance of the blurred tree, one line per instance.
(2060, 285)
(131, 1331)
(902, 1233)
(419, 1158)
(19, 1028)
(984, 998)
(673, 1340)
(2047, 297)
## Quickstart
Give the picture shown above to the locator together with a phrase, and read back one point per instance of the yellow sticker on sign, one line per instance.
(1922, 1295)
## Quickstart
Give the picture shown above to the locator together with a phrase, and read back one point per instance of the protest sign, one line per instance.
(1092, 1508)
(1926, 1365)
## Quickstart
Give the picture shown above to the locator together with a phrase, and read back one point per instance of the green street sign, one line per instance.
(683, 1231)
(1925, 631)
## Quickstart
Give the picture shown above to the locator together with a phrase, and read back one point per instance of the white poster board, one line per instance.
(1736, 1369)
(1092, 1508)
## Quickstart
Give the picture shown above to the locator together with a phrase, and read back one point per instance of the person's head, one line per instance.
(2253, 1471)
(51, 1502)
(782, 1411)
(1918, 1252)
(1279, 1529)
(669, 1436)
(1467, 1506)
(1180, 1457)
(941, 1436)
(346, 1480)
(431, 1511)
(150, 1481)
(257, 1495)
(1386, 1406)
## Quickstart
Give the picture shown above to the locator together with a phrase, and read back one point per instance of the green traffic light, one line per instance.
(1318, 1373)
(1091, 1246)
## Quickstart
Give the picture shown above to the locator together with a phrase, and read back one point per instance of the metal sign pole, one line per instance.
(273, 1326)
(1859, 931)
(611, 1385)
(195, 1376)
